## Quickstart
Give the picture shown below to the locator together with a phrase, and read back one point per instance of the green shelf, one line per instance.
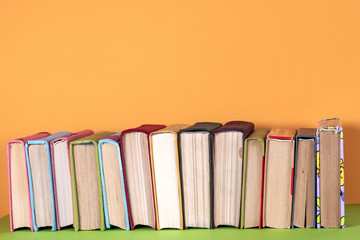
(352, 229)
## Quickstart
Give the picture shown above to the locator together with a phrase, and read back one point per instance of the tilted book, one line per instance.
(88, 204)
(38, 158)
(166, 176)
(60, 159)
(253, 179)
(113, 183)
(227, 169)
(195, 149)
(19, 193)
(330, 198)
(135, 155)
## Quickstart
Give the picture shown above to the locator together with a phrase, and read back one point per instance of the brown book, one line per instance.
(279, 164)
(304, 179)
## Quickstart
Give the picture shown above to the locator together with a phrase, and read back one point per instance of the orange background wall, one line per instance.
(111, 65)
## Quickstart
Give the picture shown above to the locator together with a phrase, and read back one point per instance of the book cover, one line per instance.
(22, 141)
(115, 140)
(68, 138)
(44, 141)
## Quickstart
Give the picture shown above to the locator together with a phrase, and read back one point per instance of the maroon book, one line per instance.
(147, 129)
(238, 126)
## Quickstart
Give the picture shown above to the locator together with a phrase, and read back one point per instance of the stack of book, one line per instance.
(206, 175)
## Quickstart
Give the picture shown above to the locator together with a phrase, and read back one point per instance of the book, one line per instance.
(195, 149)
(253, 179)
(135, 150)
(303, 214)
(166, 176)
(38, 159)
(88, 208)
(113, 183)
(60, 161)
(19, 195)
(278, 178)
(227, 169)
(330, 198)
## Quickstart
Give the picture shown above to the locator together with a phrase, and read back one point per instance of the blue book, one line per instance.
(38, 161)
(116, 212)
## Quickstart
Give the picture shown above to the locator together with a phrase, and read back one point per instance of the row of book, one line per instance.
(201, 176)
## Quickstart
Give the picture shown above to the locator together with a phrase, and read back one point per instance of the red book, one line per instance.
(135, 154)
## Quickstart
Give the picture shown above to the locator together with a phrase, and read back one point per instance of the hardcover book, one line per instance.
(166, 176)
(135, 150)
(227, 169)
(19, 193)
(60, 159)
(113, 183)
(278, 178)
(330, 198)
(303, 214)
(253, 179)
(87, 196)
(195, 149)
(38, 159)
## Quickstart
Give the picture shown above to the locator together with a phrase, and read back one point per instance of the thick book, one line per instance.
(113, 183)
(303, 214)
(19, 193)
(60, 161)
(166, 176)
(227, 169)
(278, 178)
(253, 179)
(330, 198)
(195, 149)
(38, 159)
(135, 155)
(88, 208)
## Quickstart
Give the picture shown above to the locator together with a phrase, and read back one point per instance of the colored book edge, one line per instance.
(22, 141)
(68, 138)
(115, 140)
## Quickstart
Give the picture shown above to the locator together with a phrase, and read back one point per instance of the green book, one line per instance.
(86, 182)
